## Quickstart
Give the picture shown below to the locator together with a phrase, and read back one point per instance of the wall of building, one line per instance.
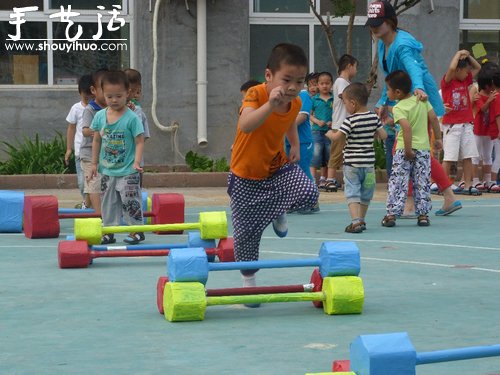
(43, 111)
(227, 68)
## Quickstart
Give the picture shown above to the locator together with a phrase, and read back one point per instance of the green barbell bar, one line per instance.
(212, 225)
(187, 301)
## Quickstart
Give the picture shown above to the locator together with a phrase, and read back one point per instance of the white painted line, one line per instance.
(350, 239)
(399, 261)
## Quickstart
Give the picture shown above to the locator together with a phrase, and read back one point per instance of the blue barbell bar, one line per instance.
(460, 354)
(277, 263)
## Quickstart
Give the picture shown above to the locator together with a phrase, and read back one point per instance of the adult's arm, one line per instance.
(407, 58)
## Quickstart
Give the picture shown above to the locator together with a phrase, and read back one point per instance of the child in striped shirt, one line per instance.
(358, 132)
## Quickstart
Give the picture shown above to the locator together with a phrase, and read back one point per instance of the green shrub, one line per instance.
(202, 163)
(37, 157)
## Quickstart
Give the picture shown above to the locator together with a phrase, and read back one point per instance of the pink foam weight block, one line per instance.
(73, 254)
(160, 286)
(344, 365)
(168, 209)
(41, 217)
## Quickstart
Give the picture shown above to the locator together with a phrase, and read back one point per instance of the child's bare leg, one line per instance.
(459, 176)
(355, 210)
(324, 172)
(449, 197)
(88, 203)
(467, 172)
(332, 173)
(95, 201)
(409, 206)
(313, 172)
(363, 208)
(447, 167)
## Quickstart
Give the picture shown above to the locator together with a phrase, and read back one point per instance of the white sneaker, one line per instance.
(280, 226)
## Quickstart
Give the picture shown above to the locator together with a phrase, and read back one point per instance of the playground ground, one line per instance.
(440, 284)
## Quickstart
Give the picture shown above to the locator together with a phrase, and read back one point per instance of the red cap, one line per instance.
(378, 11)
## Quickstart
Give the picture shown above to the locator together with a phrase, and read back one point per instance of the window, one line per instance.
(480, 24)
(10, 4)
(361, 7)
(264, 37)
(361, 50)
(481, 9)
(84, 4)
(489, 39)
(40, 47)
(281, 6)
(304, 29)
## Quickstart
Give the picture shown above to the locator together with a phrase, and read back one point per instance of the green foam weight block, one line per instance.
(344, 295)
(89, 230)
(213, 225)
(184, 301)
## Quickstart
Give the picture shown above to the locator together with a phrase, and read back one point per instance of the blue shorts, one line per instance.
(321, 153)
(359, 184)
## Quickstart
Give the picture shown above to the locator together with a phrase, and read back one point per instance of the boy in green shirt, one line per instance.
(117, 153)
(412, 156)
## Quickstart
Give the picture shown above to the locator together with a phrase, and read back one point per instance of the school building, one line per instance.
(193, 56)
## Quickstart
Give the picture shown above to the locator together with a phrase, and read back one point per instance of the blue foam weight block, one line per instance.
(383, 354)
(11, 211)
(339, 259)
(189, 264)
(195, 240)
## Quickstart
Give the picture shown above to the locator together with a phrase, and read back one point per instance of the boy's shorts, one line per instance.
(92, 186)
(359, 184)
(459, 142)
(336, 157)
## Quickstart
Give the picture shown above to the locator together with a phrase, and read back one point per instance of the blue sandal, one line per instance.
(457, 205)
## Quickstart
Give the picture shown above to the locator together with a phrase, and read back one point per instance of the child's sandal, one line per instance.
(134, 238)
(423, 221)
(108, 239)
(389, 221)
(354, 228)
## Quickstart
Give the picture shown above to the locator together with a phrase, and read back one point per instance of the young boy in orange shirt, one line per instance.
(263, 182)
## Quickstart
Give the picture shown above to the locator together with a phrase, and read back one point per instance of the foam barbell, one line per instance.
(162, 280)
(77, 254)
(42, 215)
(187, 301)
(394, 354)
(335, 259)
(212, 225)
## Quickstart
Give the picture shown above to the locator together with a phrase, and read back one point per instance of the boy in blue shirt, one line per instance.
(321, 121)
(117, 153)
(305, 134)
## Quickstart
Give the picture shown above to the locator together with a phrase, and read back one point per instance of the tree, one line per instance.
(344, 8)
